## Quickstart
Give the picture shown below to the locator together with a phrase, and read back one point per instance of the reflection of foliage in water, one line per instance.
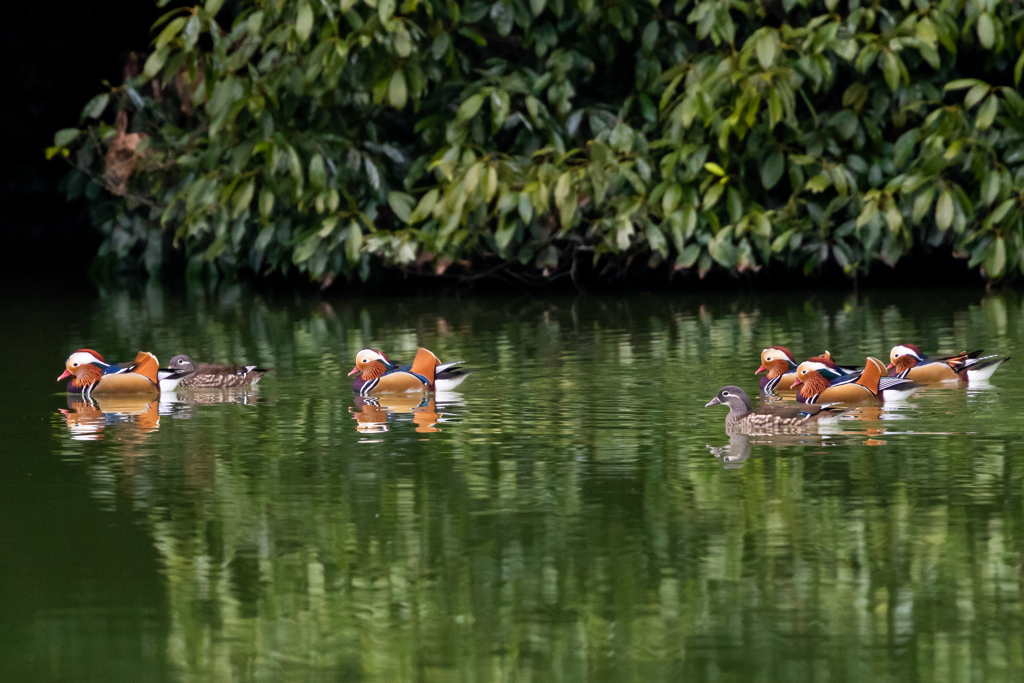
(572, 524)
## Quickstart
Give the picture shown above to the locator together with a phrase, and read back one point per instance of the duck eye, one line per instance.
(769, 359)
(725, 393)
(74, 365)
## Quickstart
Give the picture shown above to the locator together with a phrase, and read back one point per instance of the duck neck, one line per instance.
(813, 384)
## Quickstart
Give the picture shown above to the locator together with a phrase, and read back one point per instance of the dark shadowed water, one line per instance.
(559, 518)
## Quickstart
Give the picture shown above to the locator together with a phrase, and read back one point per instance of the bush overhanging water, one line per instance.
(333, 138)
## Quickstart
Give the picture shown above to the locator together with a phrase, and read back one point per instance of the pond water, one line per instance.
(560, 518)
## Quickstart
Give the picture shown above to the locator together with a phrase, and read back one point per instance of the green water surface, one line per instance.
(560, 518)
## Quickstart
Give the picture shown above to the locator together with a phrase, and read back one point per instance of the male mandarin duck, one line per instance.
(91, 375)
(211, 375)
(909, 362)
(778, 362)
(775, 417)
(821, 380)
(781, 369)
(378, 374)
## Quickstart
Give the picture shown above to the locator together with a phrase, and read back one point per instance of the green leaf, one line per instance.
(402, 204)
(304, 22)
(170, 31)
(242, 198)
(397, 91)
(305, 249)
(154, 63)
(995, 262)
(354, 241)
(688, 256)
(944, 210)
(96, 106)
(65, 136)
(962, 84)
(986, 31)
(469, 108)
(425, 206)
(715, 168)
(923, 202)
(818, 183)
(905, 146)
(771, 170)
(767, 47)
(317, 173)
(976, 94)
(650, 36)
(1002, 210)
(1018, 70)
(385, 10)
(987, 113)
(213, 6)
(266, 203)
(712, 195)
(891, 69)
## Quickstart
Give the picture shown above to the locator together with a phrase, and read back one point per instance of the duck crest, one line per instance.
(783, 349)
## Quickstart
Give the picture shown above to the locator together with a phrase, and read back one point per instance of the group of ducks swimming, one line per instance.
(824, 389)
(90, 375)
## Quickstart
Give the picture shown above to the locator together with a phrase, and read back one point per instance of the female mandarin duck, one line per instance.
(211, 375)
(819, 379)
(378, 374)
(909, 362)
(773, 418)
(91, 375)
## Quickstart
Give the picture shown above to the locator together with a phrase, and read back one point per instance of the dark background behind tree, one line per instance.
(53, 57)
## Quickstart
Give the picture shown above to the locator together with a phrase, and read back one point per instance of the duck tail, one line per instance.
(424, 364)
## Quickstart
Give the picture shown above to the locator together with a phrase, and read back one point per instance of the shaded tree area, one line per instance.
(55, 56)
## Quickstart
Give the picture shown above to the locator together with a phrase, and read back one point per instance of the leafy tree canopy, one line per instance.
(336, 137)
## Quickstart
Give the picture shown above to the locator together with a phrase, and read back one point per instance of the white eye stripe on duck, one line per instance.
(898, 351)
(367, 355)
(83, 358)
(808, 365)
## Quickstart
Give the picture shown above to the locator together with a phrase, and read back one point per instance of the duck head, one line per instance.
(815, 374)
(371, 364)
(903, 357)
(182, 363)
(84, 366)
(734, 397)
(777, 360)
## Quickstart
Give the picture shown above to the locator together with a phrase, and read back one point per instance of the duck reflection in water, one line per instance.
(127, 418)
(374, 413)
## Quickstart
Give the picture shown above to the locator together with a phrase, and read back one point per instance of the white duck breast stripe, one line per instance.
(368, 387)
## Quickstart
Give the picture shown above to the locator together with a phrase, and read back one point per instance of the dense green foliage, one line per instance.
(281, 134)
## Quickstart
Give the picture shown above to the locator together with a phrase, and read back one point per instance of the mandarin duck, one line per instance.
(377, 374)
(446, 376)
(781, 369)
(91, 375)
(820, 379)
(767, 419)
(908, 361)
(211, 375)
